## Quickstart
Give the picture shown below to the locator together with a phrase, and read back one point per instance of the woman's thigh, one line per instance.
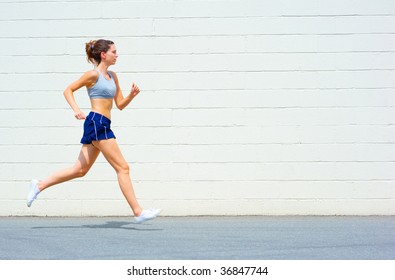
(87, 157)
(112, 153)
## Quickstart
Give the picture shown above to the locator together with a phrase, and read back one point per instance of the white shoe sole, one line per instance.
(31, 196)
(147, 215)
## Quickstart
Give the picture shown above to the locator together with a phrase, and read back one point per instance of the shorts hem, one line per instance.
(90, 141)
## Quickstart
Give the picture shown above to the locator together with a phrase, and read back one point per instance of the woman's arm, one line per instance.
(87, 79)
(120, 101)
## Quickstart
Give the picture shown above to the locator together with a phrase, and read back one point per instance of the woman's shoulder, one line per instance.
(112, 73)
(90, 77)
(92, 73)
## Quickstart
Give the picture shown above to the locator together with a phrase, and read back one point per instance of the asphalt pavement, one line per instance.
(199, 238)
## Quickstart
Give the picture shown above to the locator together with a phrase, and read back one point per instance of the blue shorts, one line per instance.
(96, 127)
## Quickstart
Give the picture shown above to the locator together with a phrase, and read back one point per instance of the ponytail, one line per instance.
(94, 49)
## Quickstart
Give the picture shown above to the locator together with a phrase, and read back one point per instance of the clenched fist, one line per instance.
(135, 90)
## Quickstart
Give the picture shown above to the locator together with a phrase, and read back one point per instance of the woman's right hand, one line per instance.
(79, 115)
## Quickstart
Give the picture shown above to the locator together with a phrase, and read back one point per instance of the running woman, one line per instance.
(103, 89)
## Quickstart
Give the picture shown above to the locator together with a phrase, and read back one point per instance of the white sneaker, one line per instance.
(147, 215)
(33, 192)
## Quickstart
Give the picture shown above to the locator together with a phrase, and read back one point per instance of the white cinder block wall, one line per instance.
(247, 107)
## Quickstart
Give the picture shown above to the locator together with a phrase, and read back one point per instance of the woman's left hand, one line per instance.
(135, 90)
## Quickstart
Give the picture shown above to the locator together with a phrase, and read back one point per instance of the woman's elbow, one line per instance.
(120, 106)
(67, 92)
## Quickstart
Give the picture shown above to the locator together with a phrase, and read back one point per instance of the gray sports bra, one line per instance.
(103, 88)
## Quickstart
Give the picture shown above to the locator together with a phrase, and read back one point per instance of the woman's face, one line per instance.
(111, 55)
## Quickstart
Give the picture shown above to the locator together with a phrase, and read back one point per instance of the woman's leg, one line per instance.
(87, 157)
(113, 155)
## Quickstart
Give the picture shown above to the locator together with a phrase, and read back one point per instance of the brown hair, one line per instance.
(94, 49)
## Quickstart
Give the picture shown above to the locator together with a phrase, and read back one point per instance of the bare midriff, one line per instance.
(102, 106)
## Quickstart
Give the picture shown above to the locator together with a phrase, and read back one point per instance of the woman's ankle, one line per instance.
(137, 212)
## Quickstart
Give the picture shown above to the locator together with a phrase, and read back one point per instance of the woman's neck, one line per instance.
(102, 68)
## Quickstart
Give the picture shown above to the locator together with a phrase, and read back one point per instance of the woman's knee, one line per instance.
(81, 171)
(123, 168)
